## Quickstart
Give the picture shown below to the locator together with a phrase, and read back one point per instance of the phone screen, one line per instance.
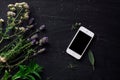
(80, 42)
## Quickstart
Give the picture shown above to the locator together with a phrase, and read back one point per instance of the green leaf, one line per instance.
(20, 73)
(36, 74)
(30, 77)
(28, 72)
(6, 75)
(91, 58)
(17, 76)
(22, 67)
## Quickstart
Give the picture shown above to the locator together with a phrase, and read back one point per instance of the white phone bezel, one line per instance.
(87, 32)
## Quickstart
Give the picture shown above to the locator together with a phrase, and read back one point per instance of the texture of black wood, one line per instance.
(100, 16)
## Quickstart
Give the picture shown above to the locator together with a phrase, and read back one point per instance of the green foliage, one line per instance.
(27, 72)
(6, 75)
(91, 58)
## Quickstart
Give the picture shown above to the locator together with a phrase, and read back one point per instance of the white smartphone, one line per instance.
(80, 42)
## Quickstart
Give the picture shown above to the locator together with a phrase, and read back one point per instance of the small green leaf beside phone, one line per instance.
(91, 58)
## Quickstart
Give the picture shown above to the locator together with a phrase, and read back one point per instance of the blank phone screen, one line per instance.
(80, 42)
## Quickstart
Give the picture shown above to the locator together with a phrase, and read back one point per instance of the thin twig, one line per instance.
(1, 39)
(18, 14)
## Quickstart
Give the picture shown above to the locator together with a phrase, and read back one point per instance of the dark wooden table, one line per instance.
(100, 16)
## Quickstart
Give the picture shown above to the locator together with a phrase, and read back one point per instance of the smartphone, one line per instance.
(80, 42)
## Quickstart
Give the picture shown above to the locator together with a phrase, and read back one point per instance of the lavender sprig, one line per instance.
(42, 27)
(34, 36)
(43, 40)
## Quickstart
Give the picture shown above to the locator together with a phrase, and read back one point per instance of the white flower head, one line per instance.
(1, 20)
(12, 9)
(11, 5)
(16, 4)
(2, 59)
(16, 28)
(22, 29)
(10, 13)
(26, 6)
(22, 3)
(26, 15)
(27, 10)
(20, 21)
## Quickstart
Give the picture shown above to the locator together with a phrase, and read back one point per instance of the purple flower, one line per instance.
(28, 39)
(31, 21)
(40, 51)
(34, 36)
(33, 41)
(44, 40)
(42, 27)
(30, 26)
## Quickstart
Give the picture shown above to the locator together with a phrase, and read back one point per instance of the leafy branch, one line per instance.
(25, 72)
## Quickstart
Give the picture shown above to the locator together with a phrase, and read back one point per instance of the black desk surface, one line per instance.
(102, 17)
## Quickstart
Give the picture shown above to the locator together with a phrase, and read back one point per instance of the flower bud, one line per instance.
(10, 5)
(10, 13)
(1, 20)
(28, 39)
(37, 42)
(33, 41)
(42, 41)
(26, 6)
(26, 16)
(40, 51)
(22, 3)
(2, 59)
(34, 36)
(12, 9)
(16, 28)
(20, 21)
(22, 29)
(42, 27)
(16, 4)
(26, 29)
(30, 26)
(31, 21)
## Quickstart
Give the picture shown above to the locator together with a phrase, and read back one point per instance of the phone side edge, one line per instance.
(73, 54)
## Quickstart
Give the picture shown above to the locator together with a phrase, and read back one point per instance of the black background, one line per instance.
(100, 16)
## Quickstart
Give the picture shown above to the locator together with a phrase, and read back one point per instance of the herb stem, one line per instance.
(18, 14)
(15, 34)
(1, 39)
(9, 44)
(12, 66)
